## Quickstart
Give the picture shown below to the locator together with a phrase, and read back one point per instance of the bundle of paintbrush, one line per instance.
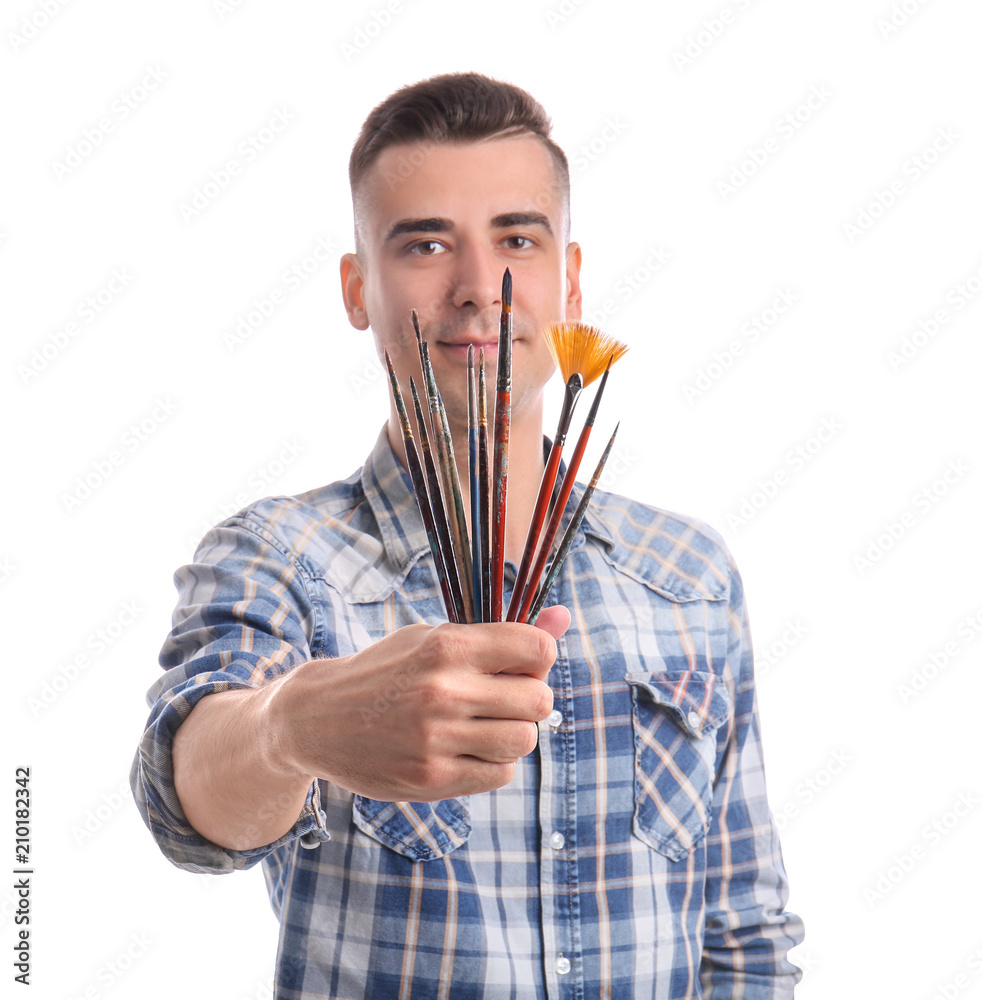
(470, 563)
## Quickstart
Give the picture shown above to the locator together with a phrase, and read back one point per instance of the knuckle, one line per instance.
(445, 644)
(435, 692)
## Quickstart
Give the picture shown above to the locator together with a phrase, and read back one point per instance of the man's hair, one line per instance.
(449, 108)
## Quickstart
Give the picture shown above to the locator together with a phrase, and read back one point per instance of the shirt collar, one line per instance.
(388, 488)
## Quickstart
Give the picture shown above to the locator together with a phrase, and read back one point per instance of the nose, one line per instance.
(476, 278)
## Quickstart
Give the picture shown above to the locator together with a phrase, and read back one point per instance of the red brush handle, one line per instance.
(538, 517)
(553, 529)
(502, 431)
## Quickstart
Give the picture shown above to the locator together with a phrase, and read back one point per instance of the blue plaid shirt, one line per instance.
(633, 855)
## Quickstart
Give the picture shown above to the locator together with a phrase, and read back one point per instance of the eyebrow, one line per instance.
(435, 224)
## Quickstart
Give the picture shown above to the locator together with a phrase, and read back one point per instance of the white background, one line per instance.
(859, 768)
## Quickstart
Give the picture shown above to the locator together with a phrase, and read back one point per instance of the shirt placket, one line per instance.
(562, 965)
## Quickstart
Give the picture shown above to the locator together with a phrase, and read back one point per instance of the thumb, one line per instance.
(554, 620)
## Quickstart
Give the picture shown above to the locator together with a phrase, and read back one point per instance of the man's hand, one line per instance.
(427, 713)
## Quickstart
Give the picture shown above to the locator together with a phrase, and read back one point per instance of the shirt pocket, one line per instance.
(675, 717)
(420, 831)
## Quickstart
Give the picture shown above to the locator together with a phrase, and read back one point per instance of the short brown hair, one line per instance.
(455, 107)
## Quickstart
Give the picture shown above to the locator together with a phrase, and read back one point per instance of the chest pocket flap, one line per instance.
(420, 831)
(675, 716)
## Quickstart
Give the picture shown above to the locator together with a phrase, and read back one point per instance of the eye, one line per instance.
(427, 248)
(518, 242)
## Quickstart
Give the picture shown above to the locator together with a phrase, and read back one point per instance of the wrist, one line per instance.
(279, 721)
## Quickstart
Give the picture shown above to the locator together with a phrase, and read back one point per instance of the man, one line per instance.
(571, 809)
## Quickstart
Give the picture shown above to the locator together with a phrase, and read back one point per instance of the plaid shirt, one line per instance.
(633, 855)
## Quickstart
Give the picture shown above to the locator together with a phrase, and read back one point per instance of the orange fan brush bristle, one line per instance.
(582, 353)
(576, 347)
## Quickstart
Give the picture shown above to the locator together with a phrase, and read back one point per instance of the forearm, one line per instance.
(231, 773)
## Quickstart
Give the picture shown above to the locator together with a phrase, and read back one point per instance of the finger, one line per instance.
(554, 620)
(509, 696)
(491, 648)
(501, 741)
(471, 776)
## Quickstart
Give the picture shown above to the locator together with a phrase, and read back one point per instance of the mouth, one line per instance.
(459, 348)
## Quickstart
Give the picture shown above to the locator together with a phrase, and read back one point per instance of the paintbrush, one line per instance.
(556, 513)
(579, 352)
(447, 467)
(474, 477)
(456, 517)
(446, 562)
(419, 487)
(502, 435)
(566, 543)
(485, 491)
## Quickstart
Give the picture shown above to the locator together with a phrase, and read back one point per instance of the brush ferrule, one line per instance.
(573, 388)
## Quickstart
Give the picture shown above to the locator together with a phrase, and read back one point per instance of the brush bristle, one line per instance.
(576, 347)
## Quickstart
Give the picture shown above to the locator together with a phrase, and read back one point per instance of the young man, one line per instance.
(571, 809)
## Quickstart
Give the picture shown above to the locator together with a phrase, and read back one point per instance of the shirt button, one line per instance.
(562, 965)
(555, 718)
(695, 721)
(557, 841)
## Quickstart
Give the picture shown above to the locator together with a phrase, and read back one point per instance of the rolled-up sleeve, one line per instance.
(243, 617)
(748, 930)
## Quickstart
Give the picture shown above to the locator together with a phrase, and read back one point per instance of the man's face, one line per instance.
(439, 224)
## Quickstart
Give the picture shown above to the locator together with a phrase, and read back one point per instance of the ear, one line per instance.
(352, 291)
(574, 297)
